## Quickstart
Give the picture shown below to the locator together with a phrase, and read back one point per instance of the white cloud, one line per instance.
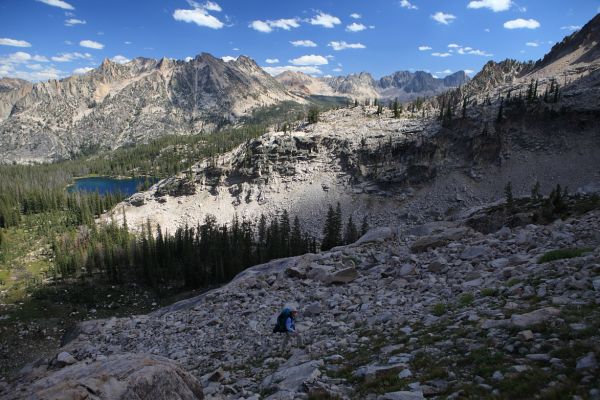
(14, 42)
(83, 70)
(445, 72)
(212, 6)
(424, 48)
(90, 44)
(354, 27)
(127, 42)
(531, 44)
(16, 58)
(188, 59)
(521, 23)
(286, 24)
(441, 54)
(494, 5)
(268, 25)
(487, 30)
(74, 21)
(68, 57)
(454, 46)
(200, 15)
(39, 58)
(443, 18)
(260, 26)
(228, 58)
(571, 27)
(469, 71)
(119, 59)
(310, 70)
(337, 70)
(355, 16)
(272, 60)
(58, 3)
(407, 4)
(303, 43)
(479, 53)
(325, 20)
(7, 68)
(34, 67)
(337, 46)
(310, 59)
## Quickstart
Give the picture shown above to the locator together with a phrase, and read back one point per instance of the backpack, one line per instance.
(280, 325)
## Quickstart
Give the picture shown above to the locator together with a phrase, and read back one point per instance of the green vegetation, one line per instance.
(439, 309)
(313, 115)
(466, 299)
(489, 292)
(193, 257)
(562, 254)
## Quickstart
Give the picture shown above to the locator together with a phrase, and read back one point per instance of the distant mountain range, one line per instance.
(404, 85)
(116, 105)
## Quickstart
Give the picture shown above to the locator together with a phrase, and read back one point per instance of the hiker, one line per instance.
(286, 324)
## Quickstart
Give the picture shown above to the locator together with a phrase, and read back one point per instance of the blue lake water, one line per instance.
(106, 185)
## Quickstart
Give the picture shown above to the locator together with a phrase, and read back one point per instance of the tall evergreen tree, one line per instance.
(351, 232)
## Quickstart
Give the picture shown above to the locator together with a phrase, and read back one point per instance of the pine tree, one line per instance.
(508, 194)
(396, 109)
(284, 228)
(500, 110)
(350, 233)
(535, 191)
(364, 228)
(337, 229)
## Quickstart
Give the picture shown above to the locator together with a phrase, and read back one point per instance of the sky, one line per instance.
(52, 39)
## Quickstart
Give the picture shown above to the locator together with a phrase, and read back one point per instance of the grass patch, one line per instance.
(489, 292)
(562, 254)
(513, 282)
(483, 361)
(439, 309)
(466, 299)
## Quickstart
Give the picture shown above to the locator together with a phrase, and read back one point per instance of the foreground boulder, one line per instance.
(118, 377)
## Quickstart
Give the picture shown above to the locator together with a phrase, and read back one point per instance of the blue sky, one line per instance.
(44, 39)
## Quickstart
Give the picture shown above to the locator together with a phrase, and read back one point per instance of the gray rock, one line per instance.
(499, 263)
(292, 379)
(119, 377)
(371, 372)
(587, 362)
(376, 235)
(63, 359)
(534, 317)
(402, 395)
(406, 269)
(345, 275)
(473, 252)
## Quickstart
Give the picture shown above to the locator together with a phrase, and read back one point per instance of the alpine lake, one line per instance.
(105, 185)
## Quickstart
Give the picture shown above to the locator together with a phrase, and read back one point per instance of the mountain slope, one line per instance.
(116, 105)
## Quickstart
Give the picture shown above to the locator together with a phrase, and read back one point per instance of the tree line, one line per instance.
(192, 257)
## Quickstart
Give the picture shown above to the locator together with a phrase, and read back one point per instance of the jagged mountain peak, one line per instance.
(121, 104)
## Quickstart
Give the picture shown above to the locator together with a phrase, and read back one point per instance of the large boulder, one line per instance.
(376, 235)
(293, 379)
(118, 377)
(535, 317)
(438, 240)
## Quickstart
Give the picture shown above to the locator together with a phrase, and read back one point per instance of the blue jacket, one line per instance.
(289, 325)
